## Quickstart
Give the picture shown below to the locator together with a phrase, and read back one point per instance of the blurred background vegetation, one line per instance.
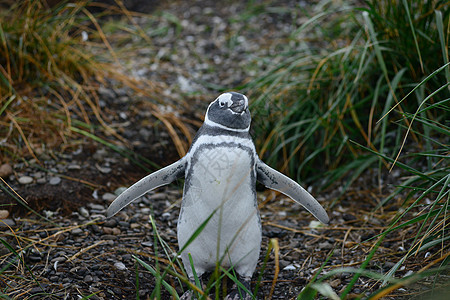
(360, 87)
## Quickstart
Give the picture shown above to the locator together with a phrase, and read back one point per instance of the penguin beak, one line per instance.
(238, 106)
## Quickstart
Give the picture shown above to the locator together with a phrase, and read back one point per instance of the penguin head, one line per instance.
(229, 111)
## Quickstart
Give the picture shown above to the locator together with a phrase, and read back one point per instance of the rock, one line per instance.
(104, 170)
(110, 223)
(120, 190)
(88, 278)
(5, 170)
(335, 283)
(120, 266)
(289, 268)
(25, 180)
(58, 259)
(55, 180)
(109, 197)
(74, 167)
(7, 222)
(147, 244)
(158, 196)
(34, 258)
(97, 207)
(77, 231)
(4, 214)
(84, 212)
(325, 245)
(135, 225)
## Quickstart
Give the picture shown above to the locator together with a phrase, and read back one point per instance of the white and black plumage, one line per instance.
(221, 169)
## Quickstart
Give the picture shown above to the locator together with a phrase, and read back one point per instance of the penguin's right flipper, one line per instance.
(277, 181)
(159, 178)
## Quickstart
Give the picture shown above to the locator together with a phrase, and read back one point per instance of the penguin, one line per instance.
(220, 170)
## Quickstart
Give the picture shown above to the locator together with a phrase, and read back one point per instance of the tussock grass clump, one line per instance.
(53, 62)
(368, 88)
(343, 73)
(47, 74)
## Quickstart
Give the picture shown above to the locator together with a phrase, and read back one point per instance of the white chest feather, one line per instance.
(222, 173)
(220, 182)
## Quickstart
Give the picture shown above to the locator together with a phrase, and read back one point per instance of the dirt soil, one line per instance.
(69, 250)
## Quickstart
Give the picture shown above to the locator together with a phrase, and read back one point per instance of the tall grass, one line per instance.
(53, 62)
(370, 89)
(321, 95)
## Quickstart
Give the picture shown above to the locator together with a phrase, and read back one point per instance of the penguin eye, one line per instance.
(221, 104)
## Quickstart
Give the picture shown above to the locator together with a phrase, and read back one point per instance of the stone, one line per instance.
(25, 180)
(74, 167)
(4, 214)
(55, 180)
(120, 266)
(147, 244)
(76, 231)
(109, 197)
(5, 170)
(84, 212)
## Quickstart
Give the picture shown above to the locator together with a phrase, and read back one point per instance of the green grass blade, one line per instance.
(157, 275)
(11, 249)
(197, 280)
(364, 265)
(11, 99)
(435, 72)
(413, 31)
(376, 45)
(444, 48)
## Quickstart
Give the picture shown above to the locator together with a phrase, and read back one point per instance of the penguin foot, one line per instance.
(238, 293)
(235, 295)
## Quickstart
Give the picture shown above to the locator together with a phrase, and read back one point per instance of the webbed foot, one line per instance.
(238, 293)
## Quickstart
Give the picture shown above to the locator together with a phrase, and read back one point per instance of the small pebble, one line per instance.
(110, 223)
(104, 170)
(135, 225)
(5, 170)
(119, 191)
(55, 180)
(109, 197)
(4, 214)
(74, 167)
(289, 268)
(25, 180)
(97, 207)
(76, 231)
(84, 212)
(147, 244)
(120, 266)
(158, 196)
(325, 245)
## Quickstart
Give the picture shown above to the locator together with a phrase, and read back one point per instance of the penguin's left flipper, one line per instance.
(275, 180)
(159, 178)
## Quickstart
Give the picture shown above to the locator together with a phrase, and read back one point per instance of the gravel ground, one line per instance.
(76, 252)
